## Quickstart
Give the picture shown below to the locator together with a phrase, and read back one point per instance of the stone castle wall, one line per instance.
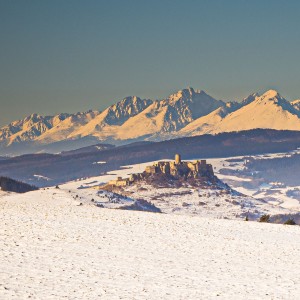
(176, 168)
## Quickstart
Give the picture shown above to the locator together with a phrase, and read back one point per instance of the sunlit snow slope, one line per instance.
(267, 111)
(53, 248)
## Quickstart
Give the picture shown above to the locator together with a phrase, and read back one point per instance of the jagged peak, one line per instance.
(35, 117)
(295, 101)
(186, 93)
(131, 98)
(270, 94)
(250, 99)
(128, 101)
(296, 104)
(251, 96)
(273, 98)
(130, 104)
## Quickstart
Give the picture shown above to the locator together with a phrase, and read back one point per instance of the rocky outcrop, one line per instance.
(163, 171)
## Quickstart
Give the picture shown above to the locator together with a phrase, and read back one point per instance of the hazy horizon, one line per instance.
(80, 55)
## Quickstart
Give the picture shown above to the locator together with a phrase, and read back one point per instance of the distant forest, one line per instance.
(11, 185)
(285, 169)
(81, 163)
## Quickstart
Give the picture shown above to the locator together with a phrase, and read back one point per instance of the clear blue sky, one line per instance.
(68, 55)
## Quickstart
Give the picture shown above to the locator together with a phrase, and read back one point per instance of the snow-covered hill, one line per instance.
(209, 200)
(58, 242)
(187, 112)
(55, 248)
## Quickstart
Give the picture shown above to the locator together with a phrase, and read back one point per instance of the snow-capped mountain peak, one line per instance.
(270, 110)
(107, 123)
(126, 108)
(272, 99)
(186, 112)
(270, 94)
(186, 94)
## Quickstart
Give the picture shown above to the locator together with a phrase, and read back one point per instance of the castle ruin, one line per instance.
(176, 169)
(179, 168)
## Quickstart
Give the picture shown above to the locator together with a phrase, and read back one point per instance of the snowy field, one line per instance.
(53, 248)
(280, 196)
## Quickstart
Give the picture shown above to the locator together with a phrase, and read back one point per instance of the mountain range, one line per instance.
(188, 112)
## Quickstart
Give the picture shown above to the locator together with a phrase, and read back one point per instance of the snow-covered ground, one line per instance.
(125, 171)
(208, 203)
(53, 248)
(205, 202)
(279, 193)
(280, 196)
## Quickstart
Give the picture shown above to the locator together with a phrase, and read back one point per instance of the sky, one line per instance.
(69, 55)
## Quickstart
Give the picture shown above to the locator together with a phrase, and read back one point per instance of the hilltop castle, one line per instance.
(179, 168)
(175, 169)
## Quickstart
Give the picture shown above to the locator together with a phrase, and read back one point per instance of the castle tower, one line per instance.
(177, 159)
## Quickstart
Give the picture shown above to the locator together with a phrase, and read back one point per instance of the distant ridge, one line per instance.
(51, 169)
(187, 112)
